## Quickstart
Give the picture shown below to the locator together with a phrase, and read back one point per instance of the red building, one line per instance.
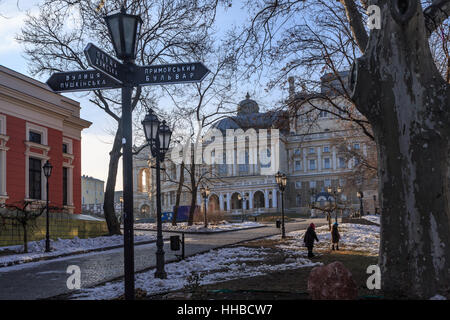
(37, 125)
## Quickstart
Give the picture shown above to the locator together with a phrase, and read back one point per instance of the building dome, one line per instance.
(247, 106)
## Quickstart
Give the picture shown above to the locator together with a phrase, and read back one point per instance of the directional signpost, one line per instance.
(110, 73)
(81, 81)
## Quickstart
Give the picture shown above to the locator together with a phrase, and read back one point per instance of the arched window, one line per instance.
(144, 180)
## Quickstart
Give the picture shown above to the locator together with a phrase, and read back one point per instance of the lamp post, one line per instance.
(244, 199)
(47, 173)
(124, 30)
(121, 209)
(281, 180)
(360, 195)
(335, 193)
(375, 204)
(205, 194)
(158, 137)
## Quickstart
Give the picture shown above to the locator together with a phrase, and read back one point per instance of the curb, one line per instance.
(13, 263)
(199, 232)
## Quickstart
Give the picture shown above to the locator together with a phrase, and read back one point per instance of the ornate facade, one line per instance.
(313, 155)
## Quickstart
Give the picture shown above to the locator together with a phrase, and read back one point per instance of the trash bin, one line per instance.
(278, 224)
(174, 243)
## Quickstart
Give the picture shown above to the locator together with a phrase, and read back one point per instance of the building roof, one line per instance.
(248, 116)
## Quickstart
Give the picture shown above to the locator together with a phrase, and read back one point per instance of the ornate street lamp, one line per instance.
(281, 180)
(205, 194)
(360, 195)
(158, 137)
(124, 29)
(47, 173)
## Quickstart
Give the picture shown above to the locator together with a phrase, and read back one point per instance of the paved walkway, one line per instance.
(45, 279)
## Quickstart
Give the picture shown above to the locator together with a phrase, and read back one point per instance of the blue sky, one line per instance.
(96, 141)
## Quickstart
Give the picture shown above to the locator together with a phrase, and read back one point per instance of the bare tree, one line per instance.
(24, 214)
(211, 101)
(400, 93)
(55, 38)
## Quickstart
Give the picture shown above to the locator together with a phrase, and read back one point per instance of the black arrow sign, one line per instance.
(80, 81)
(170, 73)
(103, 62)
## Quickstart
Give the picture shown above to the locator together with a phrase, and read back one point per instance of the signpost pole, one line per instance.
(160, 273)
(128, 191)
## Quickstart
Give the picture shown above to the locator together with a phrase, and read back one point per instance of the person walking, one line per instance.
(335, 236)
(310, 236)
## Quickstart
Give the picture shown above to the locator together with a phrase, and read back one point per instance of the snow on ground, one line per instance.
(354, 237)
(200, 227)
(215, 266)
(372, 218)
(63, 246)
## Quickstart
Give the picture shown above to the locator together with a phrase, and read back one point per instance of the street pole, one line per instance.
(160, 273)
(127, 162)
(47, 232)
(283, 230)
(361, 207)
(206, 221)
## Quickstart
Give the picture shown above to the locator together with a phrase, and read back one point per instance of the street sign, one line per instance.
(103, 62)
(171, 73)
(81, 81)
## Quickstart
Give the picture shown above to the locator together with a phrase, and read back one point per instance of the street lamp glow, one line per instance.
(124, 29)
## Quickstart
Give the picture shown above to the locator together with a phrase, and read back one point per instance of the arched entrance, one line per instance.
(235, 202)
(213, 203)
(258, 199)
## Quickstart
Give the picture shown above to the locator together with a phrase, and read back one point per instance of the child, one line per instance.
(309, 238)
(335, 236)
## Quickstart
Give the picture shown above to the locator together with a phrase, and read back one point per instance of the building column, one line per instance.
(319, 159)
(229, 201)
(305, 165)
(266, 199)
(221, 206)
(250, 199)
(274, 198)
(334, 158)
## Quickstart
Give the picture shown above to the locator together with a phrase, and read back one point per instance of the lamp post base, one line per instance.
(161, 275)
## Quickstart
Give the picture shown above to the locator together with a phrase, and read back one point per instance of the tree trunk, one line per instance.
(399, 89)
(193, 192)
(108, 204)
(193, 206)
(179, 190)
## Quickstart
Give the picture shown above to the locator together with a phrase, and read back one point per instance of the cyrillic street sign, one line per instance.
(81, 81)
(171, 73)
(112, 74)
(103, 62)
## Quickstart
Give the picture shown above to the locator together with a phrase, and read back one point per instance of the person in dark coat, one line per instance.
(335, 236)
(310, 236)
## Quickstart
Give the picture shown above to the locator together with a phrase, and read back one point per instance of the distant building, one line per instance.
(316, 151)
(92, 191)
(37, 125)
